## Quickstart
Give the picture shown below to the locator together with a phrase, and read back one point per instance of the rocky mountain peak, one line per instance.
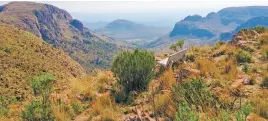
(193, 18)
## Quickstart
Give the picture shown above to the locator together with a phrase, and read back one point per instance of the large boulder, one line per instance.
(77, 24)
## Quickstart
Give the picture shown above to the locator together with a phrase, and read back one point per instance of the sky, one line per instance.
(164, 12)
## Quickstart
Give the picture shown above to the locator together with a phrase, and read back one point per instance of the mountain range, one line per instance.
(208, 30)
(57, 27)
(137, 34)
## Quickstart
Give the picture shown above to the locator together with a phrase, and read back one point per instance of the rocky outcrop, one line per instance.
(77, 24)
(184, 29)
(193, 18)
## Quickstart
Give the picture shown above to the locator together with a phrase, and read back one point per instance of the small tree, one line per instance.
(173, 47)
(243, 56)
(134, 69)
(180, 43)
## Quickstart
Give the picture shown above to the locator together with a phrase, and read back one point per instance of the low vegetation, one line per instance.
(225, 82)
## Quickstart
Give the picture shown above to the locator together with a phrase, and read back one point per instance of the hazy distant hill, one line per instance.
(95, 25)
(127, 30)
(58, 28)
(23, 55)
(208, 29)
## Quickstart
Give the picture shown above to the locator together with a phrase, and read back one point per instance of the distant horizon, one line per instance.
(152, 13)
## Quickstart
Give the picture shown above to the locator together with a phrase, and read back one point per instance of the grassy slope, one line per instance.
(23, 55)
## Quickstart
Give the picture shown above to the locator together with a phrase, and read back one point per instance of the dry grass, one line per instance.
(207, 67)
(61, 113)
(106, 108)
(167, 79)
(260, 104)
(164, 105)
(83, 86)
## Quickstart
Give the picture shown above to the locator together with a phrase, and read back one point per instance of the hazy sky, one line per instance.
(147, 11)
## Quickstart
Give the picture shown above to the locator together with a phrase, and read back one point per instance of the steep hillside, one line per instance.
(130, 31)
(23, 55)
(208, 29)
(58, 28)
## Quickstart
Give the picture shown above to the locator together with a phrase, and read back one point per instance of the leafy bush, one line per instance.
(134, 69)
(173, 47)
(4, 102)
(42, 84)
(190, 57)
(265, 54)
(243, 56)
(260, 29)
(242, 114)
(185, 113)
(245, 68)
(265, 83)
(40, 109)
(33, 111)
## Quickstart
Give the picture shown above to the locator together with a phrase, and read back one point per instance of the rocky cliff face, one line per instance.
(251, 23)
(57, 27)
(77, 24)
(212, 27)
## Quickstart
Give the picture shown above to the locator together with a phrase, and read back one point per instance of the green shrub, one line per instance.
(40, 110)
(77, 107)
(242, 114)
(260, 29)
(243, 56)
(185, 113)
(179, 43)
(265, 83)
(173, 47)
(134, 69)
(245, 68)
(4, 102)
(265, 54)
(42, 83)
(33, 111)
(190, 57)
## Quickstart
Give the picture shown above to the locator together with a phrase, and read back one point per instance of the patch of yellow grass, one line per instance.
(164, 105)
(207, 67)
(83, 86)
(167, 79)
(260, 104)
(106, 108)
(61, 113)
